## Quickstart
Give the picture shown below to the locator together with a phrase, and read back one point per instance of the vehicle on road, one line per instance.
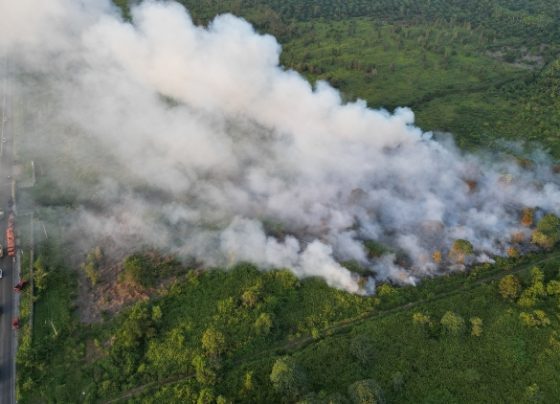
(1, 273)
(4, 140)
(20, 285)
(10, 236)
(1, 251)
(15, 323)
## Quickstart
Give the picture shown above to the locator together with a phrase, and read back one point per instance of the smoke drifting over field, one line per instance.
(203, 144)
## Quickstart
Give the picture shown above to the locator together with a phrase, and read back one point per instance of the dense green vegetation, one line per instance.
(483, 70)
(245, 335)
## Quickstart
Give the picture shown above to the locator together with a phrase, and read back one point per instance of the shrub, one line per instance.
(460, 250)
(452, 323)
(365, 392)
(509, 287)
(139, 271)
(287, 378)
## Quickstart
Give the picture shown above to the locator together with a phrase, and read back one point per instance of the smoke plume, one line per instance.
(195, 140)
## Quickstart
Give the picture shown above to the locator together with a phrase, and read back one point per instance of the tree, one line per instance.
(512, 252)
(248, 382)
(386, 289)
(547, 233)
(287, 378)
(205, 370)
(361, 349)
(509, 287)
(213, 341)
(527, 217)
(249, 298)
(91, 265)
(206, 396)
(476, 326)
(421, 319)
(138, 271)
(437, 257)
(460, 250)
(263, 324)
(365, 392)
(537, 290)
(452, 323)
(553, 288)
(90, 270)
(537, 319)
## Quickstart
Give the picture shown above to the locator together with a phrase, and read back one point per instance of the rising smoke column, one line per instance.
(204, 145)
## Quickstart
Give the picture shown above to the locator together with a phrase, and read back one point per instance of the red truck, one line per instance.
(10, 236)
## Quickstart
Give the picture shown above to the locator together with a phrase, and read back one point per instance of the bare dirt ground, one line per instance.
(111, 293)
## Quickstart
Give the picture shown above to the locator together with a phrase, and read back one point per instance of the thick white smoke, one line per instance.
(219, 153)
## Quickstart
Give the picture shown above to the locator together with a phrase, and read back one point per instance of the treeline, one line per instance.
(538, 21)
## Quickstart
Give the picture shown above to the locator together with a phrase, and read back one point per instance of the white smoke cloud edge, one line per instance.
(253, 162)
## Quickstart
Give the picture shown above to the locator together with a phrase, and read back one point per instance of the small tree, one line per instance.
(452, 323)
(90, 269)
(512, 252)
(537, 319)
(287, 378)
(213, 342)
(365, 392)
(263, 324)
(361, 349)
(476, 326)
(248, 382)
(527, 217)
(437, 257)
(250, 297)
(91, 265)
(206, 396)
(421, 319)
(139, 271)
(205, 372)
(509, 287)
(460, 250)
(547, 233)
(553, 288)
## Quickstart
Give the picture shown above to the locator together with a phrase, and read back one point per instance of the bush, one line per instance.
(139, 271)
(547, 233)
(287, 378)
(509, 287)
(365, 392)
(460, 250)
(452, 323)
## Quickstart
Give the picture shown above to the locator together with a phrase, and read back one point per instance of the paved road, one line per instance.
(8, 304)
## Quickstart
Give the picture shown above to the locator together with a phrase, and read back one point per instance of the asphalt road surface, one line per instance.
(8, 304)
